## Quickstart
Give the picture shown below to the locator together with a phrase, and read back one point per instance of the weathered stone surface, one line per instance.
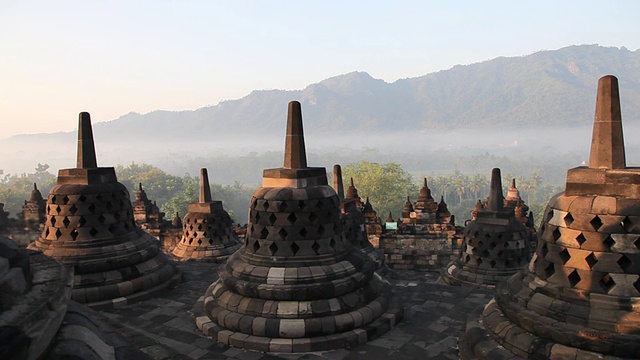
(298, 277)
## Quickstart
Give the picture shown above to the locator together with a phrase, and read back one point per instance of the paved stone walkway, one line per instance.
(434, 317)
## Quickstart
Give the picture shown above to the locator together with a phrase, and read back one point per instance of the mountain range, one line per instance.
(546, 88)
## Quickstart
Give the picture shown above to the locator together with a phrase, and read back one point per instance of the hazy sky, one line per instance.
(58, 58)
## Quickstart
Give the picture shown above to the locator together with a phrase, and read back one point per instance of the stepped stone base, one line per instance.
(278, 335)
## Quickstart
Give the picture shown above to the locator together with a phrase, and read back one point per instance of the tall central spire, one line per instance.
(337, 181)
(295, 155)
(205, 189)
(496, 199)
(607, 143)
(86, 148)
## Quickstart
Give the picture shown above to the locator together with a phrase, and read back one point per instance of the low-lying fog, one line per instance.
(418, 152)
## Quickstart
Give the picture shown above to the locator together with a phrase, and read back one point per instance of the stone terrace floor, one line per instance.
(434, 317)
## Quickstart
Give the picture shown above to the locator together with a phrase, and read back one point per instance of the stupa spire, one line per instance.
(337, 181)
(205, 190)
(86, 148)
(607, 142)
(295, 155)
(496, 199)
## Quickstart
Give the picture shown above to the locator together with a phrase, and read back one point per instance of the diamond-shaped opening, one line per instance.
(596, 222)
(544, 250)
(66, 221)
(99, 197)
(485, 253)
(321, 230)
(264, 233)
(65, 200)
(480, 243)
(591, 260)
(294, 248)
(101, 219)
(199, 241)
(568, 219)
(574, 278)
(73, 209)
(492, 263)
(549, 270)
(609, 242)
(556, 234)
(46, 232)
(625, 263)
(205, 234)
(500, 253)
(94, 231)
(74, 234)
(500, 236)
(109, 205)
(112, 229)
(303, 232)
(82, 198)
(607, 283)
(272, 218)
(626, 224)
(312, 216)
(58, 209)
(637, 285)
(637, 243)
(507, 263)
(479, 261)
(493, 245)
(283, 234)
(199, 227)
(487, 235)
(58, 233)
(332, 243)
(273, 248)
(549, 215)
(53, 199)
(581, 239)
(506, 244)
(256, 246)
(475, 234)
(257, 217)
(292, 218)
(82, 221)
(265, 205)
(126, 225)
(210, 241)
(282, 206)
(92, 208)
(315, 247)
(302, 204)
(564, 256)
(53, 221)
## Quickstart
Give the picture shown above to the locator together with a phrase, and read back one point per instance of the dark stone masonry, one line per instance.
(303, 279)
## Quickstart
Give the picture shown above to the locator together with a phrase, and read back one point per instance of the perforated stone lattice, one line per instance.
(287, 228)
(598, 251)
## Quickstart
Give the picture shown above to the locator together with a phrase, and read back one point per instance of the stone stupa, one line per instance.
(297, 284)
(494, 246)
(89, 225)
(207, 229)
(579, 297)
(354, 219)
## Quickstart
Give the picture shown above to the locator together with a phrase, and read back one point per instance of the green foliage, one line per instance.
(386, 185)
(15, 189)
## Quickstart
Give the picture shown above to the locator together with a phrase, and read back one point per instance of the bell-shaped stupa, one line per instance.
(297, 284)
(354, 220)
(579, 296)
(207, 229)
(89, 225)
(494, 246)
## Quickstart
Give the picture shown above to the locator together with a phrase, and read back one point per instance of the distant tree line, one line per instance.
(387, 185)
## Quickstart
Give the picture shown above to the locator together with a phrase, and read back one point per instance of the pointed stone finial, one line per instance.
(390, 218)
(35, 187)
(205, 190)
(607, 142)
(295, 155)
(86, 148)
(513, 183)
(496, 199)
(337, 181)
(140, 186)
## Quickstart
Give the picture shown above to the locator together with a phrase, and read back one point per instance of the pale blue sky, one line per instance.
(58, 58)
